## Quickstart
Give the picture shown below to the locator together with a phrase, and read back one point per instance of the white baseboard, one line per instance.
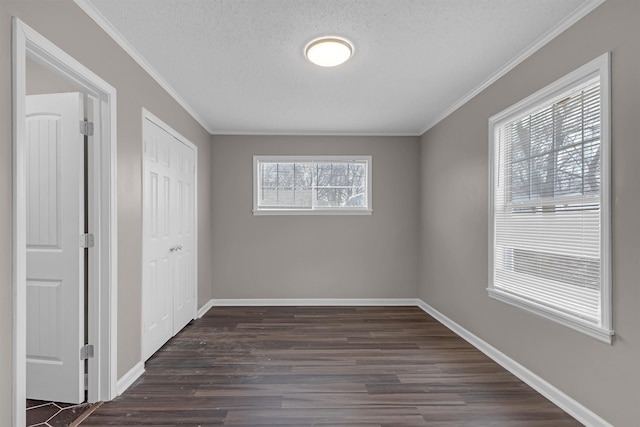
(566, 403)
(203, 310)
(129, 378)
(309, 302)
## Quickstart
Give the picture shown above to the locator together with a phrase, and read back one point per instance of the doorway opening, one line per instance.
(101, 216)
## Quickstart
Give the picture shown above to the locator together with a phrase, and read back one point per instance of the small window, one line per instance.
(312, 185)
(550, 232)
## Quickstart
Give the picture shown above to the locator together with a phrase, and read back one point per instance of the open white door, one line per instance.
(169, 241)
(54, 158)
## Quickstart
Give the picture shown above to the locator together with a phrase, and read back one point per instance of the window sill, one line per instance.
(313, 212)
(549, 313)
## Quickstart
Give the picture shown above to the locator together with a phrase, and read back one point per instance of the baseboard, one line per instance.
(566, 403)
(203, 310)
(309, 302)
(129, 378)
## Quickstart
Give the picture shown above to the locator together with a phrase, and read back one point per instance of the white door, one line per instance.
(157, 297)
(183, 262)
(168, 278)
(54, 160)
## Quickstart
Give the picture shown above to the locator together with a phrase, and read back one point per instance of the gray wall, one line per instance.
(66, 25)
(315, 256)
(40, 80)
(454, 195)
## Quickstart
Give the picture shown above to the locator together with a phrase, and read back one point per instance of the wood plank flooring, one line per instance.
(325, 366)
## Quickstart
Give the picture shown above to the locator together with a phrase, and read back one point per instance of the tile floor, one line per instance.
(52, 414)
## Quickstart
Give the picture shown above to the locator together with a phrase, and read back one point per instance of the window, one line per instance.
(549, 219)
(312, 185)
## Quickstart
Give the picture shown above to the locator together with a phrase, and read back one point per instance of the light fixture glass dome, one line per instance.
(329, 51)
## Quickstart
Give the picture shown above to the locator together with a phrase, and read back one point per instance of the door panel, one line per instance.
(54, 163)
(184, 261)
(157, 298)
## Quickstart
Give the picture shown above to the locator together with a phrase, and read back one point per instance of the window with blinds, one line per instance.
(317, 185)
(550, 202)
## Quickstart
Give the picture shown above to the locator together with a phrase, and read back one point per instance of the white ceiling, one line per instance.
(238, 65)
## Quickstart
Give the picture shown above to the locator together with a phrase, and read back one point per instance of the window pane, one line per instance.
(302, 191)
(357, 198)
(341, 184)
(520, 134)
(542, 132)
(592, 168)
(333, 197)
(520, 184)
(568, 122)
(569, 175)
(268, 184)
(554, 152)
(285, 185)
(542, 176)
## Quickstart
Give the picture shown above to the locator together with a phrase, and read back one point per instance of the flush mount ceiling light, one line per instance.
(328, 51)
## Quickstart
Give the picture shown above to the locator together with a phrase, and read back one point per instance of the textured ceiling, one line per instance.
(239, 64)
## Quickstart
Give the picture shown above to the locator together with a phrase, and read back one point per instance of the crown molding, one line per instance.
(121, 41)
(314, 133)
(562, 26)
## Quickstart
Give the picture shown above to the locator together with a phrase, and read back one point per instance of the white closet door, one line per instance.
(54, 161)
(157, 293)
(169, 277)
(184, 280)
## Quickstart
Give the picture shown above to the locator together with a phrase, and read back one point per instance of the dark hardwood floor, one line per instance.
(325, 366)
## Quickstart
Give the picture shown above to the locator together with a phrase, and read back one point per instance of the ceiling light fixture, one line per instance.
(328, 51)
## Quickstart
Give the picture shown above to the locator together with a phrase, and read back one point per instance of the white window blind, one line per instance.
(549, 245)
(333, 184)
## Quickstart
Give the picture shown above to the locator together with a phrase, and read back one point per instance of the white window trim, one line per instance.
(599, 66)
(317, 211)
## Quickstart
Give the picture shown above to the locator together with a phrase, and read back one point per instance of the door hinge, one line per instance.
(86, 352)
(86, 128)
(86, 240)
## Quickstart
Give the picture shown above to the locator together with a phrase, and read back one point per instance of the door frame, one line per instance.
(102, 321)
(147, 115)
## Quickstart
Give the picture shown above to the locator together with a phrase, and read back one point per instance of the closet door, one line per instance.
(157, 286)
(169, 235)
(169, 256)
(183, 238)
